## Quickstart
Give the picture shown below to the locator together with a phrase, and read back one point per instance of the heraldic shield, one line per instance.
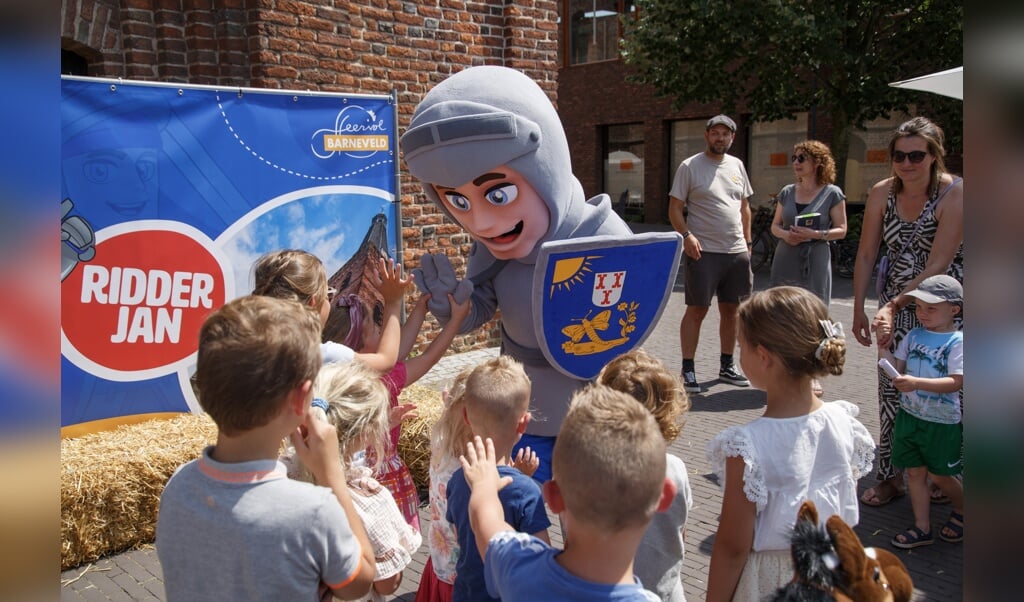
(598, 297)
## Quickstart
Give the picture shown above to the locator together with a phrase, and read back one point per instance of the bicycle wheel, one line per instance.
(761, 251)
(845, 257)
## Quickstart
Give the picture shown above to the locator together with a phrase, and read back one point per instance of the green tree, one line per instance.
(772, 58)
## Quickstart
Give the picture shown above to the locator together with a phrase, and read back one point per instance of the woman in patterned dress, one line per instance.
(919, 189)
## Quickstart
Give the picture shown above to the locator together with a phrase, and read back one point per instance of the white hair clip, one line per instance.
(832, 330)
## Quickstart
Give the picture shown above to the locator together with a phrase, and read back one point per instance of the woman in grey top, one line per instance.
(804, 260)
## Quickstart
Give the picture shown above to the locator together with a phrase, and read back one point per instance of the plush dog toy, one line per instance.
(830, 563)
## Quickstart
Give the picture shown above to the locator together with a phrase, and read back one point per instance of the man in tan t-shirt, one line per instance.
(716, 244)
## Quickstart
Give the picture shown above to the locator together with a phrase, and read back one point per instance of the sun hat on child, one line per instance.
(939, 288)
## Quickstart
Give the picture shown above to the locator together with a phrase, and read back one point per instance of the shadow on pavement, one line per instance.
(725, 401)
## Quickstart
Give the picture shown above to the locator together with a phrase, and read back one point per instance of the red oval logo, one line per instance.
(139, 303)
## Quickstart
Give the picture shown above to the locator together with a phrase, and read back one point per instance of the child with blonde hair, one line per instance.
(497, 406)
(608, 481)
(447, 439)
(300, 276)
(391, 470)
(659, 558)
(352, 398)
(800, 449)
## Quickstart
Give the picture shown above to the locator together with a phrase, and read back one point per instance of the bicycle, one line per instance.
(763, 244)
(844, 256)
(762, 248)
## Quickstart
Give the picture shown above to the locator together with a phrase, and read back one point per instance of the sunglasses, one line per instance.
(797, 159)
(914, 156)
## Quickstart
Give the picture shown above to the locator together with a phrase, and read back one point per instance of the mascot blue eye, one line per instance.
(457, 200)
(502, 195)
(99, 171)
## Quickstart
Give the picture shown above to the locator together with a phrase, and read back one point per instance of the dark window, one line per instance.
(624, 169)
(72, 63)
(593, 29)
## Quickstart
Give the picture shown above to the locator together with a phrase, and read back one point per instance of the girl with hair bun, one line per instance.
(800, 449)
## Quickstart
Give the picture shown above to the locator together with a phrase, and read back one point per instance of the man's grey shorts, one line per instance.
(726, 275)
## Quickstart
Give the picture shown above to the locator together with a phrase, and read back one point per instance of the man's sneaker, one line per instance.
(731, 376)
(690, 382)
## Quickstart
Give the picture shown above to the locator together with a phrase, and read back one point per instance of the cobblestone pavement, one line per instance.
(937, 570)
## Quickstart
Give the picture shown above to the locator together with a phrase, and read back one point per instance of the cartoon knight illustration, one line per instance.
(78, 241)
(490, 151)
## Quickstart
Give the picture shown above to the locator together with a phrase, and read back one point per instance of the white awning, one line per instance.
(948, 83)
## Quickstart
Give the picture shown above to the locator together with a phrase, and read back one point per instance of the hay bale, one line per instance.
(414, 444)
(111, 483)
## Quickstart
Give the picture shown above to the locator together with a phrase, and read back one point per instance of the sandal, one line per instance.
(876, 496)
(957, 530)
(912, 538)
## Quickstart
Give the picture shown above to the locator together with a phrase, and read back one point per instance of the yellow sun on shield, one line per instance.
(569, 272)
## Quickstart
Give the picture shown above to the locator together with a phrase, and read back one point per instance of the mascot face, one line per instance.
(501, 210)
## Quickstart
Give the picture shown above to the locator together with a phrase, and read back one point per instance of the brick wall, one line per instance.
(357, 46)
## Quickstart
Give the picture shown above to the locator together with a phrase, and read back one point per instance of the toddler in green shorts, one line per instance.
(928, 434)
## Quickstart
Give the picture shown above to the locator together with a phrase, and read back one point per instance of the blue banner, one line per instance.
(169, 194)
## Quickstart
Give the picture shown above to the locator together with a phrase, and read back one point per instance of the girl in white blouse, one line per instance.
(800, 449)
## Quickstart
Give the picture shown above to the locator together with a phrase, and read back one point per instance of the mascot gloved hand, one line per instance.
(436, 276)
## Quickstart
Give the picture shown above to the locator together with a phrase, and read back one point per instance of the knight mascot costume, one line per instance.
(490, 151)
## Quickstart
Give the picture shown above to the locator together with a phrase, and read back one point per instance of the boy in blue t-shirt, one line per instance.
(928, 433)
(497, 394)
(608, 480)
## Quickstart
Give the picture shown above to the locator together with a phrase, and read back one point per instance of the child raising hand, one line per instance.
(301, 276)
(367, 336)
(659, 559)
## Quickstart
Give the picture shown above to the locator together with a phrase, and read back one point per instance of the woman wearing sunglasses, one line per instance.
(809, 213)
(918, 213)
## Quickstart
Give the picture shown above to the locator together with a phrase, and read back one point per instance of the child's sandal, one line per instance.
(913, 538)
(957, 530)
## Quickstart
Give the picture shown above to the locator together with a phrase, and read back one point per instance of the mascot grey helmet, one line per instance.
(488, 116)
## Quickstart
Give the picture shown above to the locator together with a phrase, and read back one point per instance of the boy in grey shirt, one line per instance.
(232, 526)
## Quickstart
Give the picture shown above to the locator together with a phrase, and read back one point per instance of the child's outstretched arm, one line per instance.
(735, 535)
(417, 366)
(392, 285)
(413, 323)
(317, 447)
(486, 516)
